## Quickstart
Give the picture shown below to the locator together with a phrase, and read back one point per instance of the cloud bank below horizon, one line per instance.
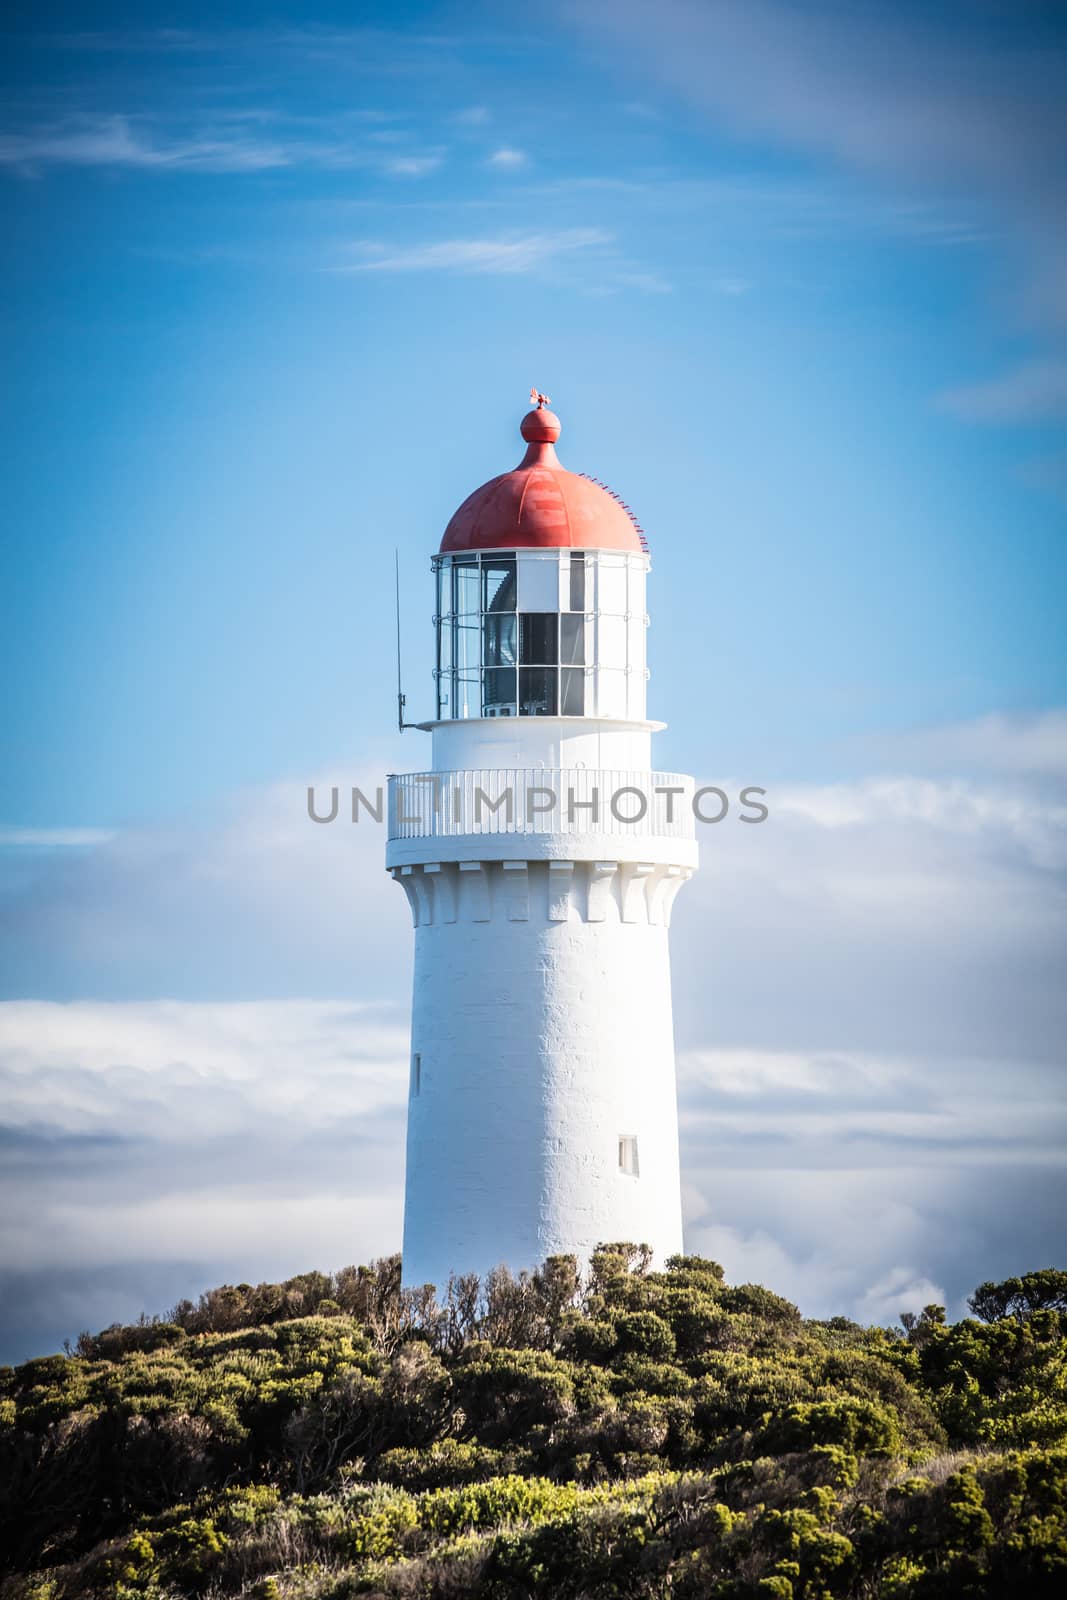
(869, 1012)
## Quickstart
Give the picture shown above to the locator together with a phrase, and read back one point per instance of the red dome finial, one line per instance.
(540, 426)
(539, 505)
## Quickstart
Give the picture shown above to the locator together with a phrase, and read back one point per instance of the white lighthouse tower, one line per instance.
(540, 856)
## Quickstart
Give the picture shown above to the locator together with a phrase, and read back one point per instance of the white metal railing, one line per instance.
(441, 805)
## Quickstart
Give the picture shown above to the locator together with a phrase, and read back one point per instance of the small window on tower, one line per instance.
(416, 1074)
(628, 1155)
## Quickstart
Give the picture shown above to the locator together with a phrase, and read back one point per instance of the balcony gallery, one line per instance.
(539, 800)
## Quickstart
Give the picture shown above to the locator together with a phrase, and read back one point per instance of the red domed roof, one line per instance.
(540, 505)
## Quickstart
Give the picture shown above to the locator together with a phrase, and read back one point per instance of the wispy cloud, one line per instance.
(119, 142)
(604, 269)
(745, 205)
(1031, 393)
(413, 166)
(314, 41)
(233, 142)
(13, 838)
(648, 282)
(506, 254)
(872, 1050)
(135, 41)
(472, 116)
(508, 157)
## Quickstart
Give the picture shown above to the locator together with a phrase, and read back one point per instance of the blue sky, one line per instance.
(274, 292)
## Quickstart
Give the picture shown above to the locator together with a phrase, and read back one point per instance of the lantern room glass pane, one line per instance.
(572, 641)
(538, 580)
(577, 585)
(498, 584)
(499, 638)
(537, 691)
(468, 694)
(539, 638)
(572, 692)
(499, 695)
(468, 644)
(467, 588)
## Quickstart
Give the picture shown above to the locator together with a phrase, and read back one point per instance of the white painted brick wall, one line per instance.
(541, 1043)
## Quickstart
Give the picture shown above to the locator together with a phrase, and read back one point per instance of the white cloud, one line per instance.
(506, 156)
(52, 838)
(871, 1244)
(649, 282)
(957, 807)
(247, 907)
(319, 43)
(166, 1066)
(413, 166)
(256, 1138)
(233, 143)
(118, 142)
(901, 915)
(472, 116)
(824, 1282)
(1031, 745)
(869, 1011)
(845, 1110)
(506, 254)
(742, 207)
(898, 1290)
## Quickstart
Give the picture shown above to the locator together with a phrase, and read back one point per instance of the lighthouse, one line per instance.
(540, 854)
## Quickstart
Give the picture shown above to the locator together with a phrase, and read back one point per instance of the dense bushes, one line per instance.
(644, 1433)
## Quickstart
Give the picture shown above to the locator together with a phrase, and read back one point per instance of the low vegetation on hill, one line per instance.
(634, 1434)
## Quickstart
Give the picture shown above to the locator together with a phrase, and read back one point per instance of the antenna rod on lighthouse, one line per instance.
(401, 699)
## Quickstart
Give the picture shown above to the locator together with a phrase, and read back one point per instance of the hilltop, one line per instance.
(637, 1434)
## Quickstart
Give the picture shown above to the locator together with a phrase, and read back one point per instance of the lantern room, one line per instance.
(541, 595)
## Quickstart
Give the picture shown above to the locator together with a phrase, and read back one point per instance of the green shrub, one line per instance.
(648, 1433)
